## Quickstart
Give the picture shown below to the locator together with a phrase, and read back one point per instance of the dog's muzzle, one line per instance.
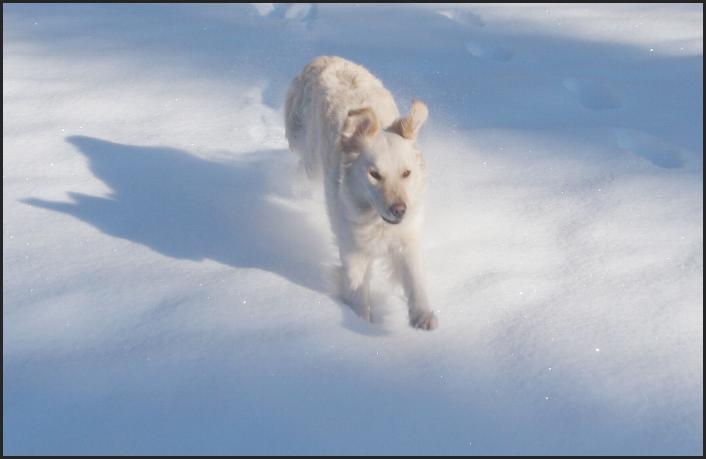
(397, 210)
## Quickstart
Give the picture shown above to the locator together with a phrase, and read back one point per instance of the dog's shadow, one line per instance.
(187, 207)
(232, 211)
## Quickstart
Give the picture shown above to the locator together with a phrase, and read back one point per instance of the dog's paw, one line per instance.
(424, 320)
(367, 316)
(360, 310)
(364, 311)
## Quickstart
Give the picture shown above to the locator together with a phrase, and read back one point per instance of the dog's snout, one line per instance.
(398, 209)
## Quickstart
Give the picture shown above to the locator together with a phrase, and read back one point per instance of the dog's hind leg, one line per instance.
(355, 283)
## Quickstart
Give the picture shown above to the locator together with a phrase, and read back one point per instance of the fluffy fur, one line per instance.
(348, 131)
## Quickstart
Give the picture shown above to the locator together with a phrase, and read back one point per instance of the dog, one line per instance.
(349, 133)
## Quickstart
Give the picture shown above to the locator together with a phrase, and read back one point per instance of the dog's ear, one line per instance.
(360, 125)
(408, 126)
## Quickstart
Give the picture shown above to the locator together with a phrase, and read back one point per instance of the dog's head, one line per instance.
(384, 168)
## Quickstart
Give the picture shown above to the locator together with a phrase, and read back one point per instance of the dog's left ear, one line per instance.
(409, 126)
(359, 126)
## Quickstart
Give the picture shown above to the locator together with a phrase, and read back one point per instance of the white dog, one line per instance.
(346, 127)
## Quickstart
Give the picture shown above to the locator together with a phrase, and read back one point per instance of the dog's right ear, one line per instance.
(409, 126)
(361, 125)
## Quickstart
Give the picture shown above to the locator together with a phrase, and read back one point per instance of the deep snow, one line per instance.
(165, 271)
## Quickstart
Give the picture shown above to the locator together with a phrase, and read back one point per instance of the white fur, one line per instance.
(343, 143)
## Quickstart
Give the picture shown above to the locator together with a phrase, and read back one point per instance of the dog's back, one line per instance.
(318, 102)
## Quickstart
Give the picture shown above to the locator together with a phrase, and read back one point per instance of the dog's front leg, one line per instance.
(356, 283)
(410, 271)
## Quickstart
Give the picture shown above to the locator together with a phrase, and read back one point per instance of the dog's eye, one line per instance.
(375, 175)
(406, 173)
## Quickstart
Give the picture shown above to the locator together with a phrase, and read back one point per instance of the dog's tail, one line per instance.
(294, 126)
(293, 116)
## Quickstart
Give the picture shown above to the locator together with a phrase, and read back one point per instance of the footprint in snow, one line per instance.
(489, 52)
(304, 13)
(653, 149)
(463, 17)
(593, 95)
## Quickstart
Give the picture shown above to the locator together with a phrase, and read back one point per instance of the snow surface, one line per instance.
(165, 277)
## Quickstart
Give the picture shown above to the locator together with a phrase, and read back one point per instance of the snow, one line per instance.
(166, 272)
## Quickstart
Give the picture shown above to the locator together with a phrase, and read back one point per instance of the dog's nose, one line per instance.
(398, 209)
